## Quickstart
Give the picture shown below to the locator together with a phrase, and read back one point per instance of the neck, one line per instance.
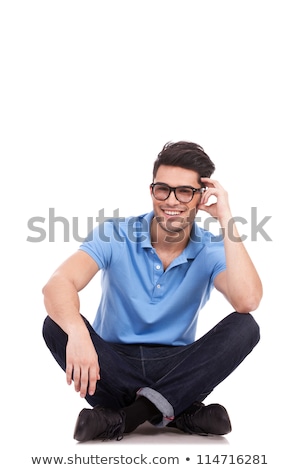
(167, 241)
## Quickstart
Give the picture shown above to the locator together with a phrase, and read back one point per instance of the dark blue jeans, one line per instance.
(172, 377)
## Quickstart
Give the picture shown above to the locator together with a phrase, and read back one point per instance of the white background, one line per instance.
(90, 92)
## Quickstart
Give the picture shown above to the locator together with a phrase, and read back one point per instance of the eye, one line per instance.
(184, 191)
(161, 188)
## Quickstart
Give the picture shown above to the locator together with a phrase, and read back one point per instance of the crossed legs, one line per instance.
(171, 378)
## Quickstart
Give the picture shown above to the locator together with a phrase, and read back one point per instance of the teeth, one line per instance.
(172, 212)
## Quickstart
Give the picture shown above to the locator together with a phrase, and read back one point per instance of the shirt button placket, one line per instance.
(157, 269)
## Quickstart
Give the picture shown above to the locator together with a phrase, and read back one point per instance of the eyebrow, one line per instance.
(173, 187)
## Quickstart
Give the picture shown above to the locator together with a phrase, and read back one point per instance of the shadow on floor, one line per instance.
(148, 434)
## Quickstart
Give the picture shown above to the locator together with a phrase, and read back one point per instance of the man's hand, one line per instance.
(82, 364)
(220, 208)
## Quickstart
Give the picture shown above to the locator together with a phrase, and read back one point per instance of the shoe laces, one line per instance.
(186, 421)
(115, 424)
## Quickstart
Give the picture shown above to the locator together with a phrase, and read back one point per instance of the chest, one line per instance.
(167, 258)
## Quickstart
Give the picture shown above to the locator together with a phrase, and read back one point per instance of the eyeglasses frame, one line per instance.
(173, 189)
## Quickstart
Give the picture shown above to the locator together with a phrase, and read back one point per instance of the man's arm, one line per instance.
(63, 306)
(240, 282)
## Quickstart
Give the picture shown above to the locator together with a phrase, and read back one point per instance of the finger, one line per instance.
(207, 208)
(69, 373)
(94, 376)
(210, 183)
(208, 194)
(76, 378)
(84, 380)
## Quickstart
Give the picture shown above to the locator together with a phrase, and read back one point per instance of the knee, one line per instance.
(249, 328)
(47, 328)
(56, 341)
(53, 334)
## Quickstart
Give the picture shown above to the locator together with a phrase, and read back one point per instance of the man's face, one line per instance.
(172, 215)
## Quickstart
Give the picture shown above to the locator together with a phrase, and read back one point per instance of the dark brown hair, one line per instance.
(185, 155)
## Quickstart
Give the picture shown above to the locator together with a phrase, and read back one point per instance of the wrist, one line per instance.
(76, 327)
(226, 219)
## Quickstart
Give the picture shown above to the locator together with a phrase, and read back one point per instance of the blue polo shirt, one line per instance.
(140, 302)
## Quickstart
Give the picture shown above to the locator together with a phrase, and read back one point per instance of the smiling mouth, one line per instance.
(172, 213)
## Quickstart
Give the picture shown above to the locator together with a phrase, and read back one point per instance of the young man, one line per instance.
(140, 360)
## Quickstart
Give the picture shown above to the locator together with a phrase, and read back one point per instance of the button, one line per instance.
(157, 266)
(158, 286)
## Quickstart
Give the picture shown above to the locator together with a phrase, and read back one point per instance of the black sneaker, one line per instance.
(99, 423)
(204, 420)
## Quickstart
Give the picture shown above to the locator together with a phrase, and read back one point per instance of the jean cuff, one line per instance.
(161, 404)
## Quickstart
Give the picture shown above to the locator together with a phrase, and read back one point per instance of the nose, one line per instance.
(172, 198)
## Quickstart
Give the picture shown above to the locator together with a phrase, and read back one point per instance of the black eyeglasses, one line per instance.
(162, 191)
